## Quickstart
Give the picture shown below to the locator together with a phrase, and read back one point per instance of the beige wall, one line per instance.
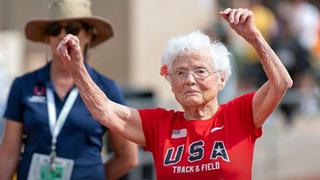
(112, 57)
(153, 24)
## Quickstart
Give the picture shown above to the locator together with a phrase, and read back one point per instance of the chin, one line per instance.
(192, 102)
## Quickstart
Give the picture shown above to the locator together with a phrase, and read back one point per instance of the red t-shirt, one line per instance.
(218, 148)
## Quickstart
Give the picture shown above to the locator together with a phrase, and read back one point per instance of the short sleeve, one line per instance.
(150, 123)
(244, 104)
(14, 108)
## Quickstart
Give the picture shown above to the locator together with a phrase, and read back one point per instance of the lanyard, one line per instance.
(54, 123)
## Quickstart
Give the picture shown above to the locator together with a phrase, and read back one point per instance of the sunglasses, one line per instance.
(54, 29)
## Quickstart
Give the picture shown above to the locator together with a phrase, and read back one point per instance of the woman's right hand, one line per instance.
(69, 51)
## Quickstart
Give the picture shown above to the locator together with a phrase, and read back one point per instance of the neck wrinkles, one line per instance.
(202, 112)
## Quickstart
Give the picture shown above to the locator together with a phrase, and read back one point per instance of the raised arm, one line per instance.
(269, 95)
(121, 119)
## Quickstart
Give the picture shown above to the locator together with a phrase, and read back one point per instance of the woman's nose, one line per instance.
(190, 80)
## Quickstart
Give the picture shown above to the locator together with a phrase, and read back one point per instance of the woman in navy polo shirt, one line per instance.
(46, 116)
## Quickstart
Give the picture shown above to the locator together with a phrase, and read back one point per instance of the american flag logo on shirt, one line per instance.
(179, 133)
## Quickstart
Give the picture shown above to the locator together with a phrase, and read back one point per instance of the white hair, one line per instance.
(194, 42)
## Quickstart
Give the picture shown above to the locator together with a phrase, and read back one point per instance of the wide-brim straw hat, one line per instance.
(65, 10)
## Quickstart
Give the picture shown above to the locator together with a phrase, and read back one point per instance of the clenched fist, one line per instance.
(241, 21)
(69, 51)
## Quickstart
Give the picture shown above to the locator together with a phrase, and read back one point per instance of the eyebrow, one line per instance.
(180, 69)
(200, 67)
(196, 67)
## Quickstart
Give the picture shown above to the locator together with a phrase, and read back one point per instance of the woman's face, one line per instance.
(57, 31)
(193, 79)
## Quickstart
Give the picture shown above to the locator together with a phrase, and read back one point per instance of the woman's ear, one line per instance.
(221, 80)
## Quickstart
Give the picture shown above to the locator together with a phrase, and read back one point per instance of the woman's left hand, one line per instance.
(240, 20)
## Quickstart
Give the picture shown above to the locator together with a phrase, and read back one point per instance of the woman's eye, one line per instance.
(180, 73)
(200, 71)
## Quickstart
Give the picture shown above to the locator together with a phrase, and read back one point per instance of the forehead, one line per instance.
(193, 59)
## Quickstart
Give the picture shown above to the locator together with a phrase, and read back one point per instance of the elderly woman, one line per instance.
(46, 116)
(206, 140)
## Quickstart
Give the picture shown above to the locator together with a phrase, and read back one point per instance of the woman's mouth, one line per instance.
(191, 92)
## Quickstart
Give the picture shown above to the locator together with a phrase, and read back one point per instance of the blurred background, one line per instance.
(290, 146)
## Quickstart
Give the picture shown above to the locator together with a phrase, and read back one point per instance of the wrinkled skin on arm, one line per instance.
(269, 95)
(119, 118)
